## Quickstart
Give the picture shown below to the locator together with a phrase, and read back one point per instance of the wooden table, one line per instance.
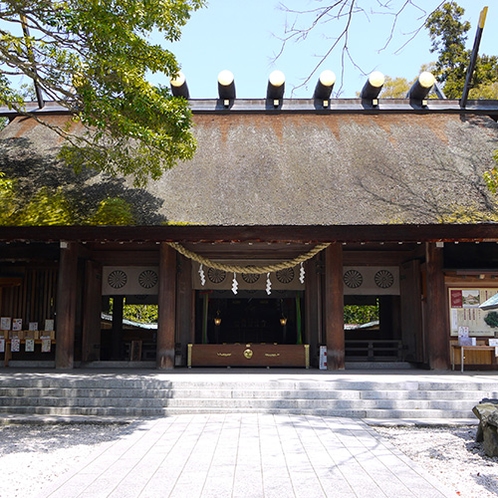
(462, 353)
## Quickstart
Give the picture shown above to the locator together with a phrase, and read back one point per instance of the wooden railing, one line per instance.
(374, 350)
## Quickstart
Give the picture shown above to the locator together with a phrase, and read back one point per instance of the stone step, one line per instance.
(239, 402)
(153, 383)
(156, 412)
(95, 392)
(234, 393)
(132, 395)
(88, 411)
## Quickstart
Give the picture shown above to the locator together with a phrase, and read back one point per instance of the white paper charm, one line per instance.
(202, 276)
(235, 284)
(301, 274)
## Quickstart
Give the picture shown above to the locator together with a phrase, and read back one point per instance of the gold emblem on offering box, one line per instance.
(248, 353)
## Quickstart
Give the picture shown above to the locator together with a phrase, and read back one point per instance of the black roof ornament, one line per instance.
(276, 87)
(179, 86)
(421, 88)
(226, 87)
(372, 87)
(324, 85)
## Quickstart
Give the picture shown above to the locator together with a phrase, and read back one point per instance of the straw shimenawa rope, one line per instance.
(259, 270)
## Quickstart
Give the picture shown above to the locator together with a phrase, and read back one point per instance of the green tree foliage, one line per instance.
(491, 176)
(140, 313)
(53, 207)
(468, 214)
(7, 200)
(395, 88)
(45, 208)
(355, 314)
(93, 57)
(448, 33)
(491, 319)
(487, 92)
(112, 211)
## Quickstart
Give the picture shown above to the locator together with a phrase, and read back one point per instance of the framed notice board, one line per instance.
(465, 312)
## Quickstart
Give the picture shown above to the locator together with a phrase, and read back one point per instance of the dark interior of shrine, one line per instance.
(250, 317)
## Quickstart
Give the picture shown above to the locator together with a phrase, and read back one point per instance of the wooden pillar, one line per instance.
(66, 305)
(166, 308)
(312, 309)
(334, 308)
(91, 312)
(184, 307)
(436, 333)
(386, 317)
(117, 328)
(411, 311)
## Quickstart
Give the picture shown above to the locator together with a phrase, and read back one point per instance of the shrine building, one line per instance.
(290, 210)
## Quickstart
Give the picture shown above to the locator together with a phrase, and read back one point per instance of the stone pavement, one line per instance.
(248, 456)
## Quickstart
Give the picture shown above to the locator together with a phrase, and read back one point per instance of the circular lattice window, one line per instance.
(285, 276)
(353, 279)
(384, 279)
(216, 276)
(117, 279)
(147, 279)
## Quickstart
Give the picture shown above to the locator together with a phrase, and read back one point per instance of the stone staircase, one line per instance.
(147, 394)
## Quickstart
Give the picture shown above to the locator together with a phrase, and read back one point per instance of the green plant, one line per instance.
(491, 319)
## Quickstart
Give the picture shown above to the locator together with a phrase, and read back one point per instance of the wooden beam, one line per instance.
(122, 257)
(66, 305)
(334, 308)
(394, 257)
(271, 233)
(166, 308)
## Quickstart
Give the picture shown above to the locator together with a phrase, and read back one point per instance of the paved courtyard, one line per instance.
(248, 456)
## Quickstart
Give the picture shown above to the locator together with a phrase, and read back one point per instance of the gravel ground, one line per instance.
(450, 454)
(32, 455)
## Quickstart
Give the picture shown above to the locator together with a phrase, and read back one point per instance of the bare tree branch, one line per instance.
(344, 13)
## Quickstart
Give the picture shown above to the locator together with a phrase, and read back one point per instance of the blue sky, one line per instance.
(243, 37)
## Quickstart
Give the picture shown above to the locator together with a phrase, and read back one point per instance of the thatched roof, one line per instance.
(296, 169)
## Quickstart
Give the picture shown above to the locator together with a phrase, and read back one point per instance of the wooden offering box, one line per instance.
(248, 355)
